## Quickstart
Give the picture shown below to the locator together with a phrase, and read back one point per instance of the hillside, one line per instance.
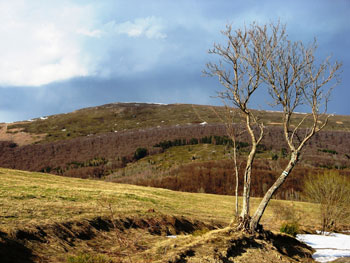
(117, 117)
(47, 218)
(184, 152)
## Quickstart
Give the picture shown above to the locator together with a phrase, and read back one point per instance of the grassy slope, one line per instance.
(36, 202)
(34, 198)
(113, 117)
(128, 116)
(173, 157)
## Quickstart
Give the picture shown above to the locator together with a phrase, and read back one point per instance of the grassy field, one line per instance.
(52, 216)
(36, 198)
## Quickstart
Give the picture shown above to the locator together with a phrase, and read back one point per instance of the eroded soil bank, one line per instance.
(146, 239)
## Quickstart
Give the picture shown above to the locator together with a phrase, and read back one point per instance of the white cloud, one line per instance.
(41, 44)
(149, 27)
(90, 33)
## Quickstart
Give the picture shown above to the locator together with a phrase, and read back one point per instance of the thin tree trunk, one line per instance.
(236, 171)
(268, 195)
(245, 213)
(246, 190)
(236, 191)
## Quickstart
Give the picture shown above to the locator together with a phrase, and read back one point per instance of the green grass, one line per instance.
(88, 258)
(174, 157)
(162, 164)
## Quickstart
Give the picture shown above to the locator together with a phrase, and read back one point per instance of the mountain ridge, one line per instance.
(117, 117)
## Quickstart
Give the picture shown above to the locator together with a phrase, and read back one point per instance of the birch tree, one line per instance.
(239, 70)
(262, 57)
(296, 80)
(234, 132)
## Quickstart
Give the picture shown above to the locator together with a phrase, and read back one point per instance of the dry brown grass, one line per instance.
(36, 198)
(229, 245)
(36, 202)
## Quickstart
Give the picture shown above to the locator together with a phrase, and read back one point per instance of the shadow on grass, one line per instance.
(12, 251)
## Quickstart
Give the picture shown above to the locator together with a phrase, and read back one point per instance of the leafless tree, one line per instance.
(295, 79)
(239, 70)
(261, 57)
(234, 132)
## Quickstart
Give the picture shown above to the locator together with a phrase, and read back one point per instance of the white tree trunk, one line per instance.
(268, 195)
(237, 175)
(246, 193)
(245, 213)
(236, 191)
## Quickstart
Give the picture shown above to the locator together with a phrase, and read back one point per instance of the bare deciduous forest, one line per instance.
(97, 156)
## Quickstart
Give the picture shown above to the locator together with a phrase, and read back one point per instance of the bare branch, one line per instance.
(258, 56)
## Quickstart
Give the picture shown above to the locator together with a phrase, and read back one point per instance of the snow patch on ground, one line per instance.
(296, 112)
(328, 247)
(278, 111)
(136, 102)
(157, 103)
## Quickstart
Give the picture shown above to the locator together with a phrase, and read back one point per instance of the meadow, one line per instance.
(59, 219)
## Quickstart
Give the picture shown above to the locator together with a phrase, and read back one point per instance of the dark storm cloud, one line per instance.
(171, 85)
(156, 52)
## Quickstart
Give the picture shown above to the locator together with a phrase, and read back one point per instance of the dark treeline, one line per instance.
(217, 177)
(99, 155)
(116, 149)
(213, 139)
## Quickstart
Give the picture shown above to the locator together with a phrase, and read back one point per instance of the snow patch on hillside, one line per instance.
(328, 247)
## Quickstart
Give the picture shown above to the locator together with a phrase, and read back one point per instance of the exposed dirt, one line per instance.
(341, 260)
(117, 238)
(153, 238)
(227, 245)
(18, 136)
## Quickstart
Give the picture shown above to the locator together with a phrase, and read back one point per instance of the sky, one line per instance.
(59, 56)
